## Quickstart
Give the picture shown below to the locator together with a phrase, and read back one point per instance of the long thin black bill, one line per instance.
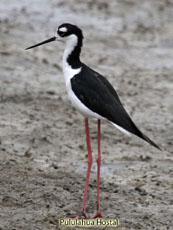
(41, 43)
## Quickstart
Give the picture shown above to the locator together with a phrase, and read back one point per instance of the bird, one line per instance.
(93, 96)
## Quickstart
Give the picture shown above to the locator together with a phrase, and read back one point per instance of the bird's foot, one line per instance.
(82, 215)
(98, 215)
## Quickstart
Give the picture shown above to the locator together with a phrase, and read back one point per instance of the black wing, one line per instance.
(95, 92)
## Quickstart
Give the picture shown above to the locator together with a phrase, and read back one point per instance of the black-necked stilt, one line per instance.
(93, 96)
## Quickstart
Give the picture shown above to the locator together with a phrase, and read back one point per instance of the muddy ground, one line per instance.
(42, 139)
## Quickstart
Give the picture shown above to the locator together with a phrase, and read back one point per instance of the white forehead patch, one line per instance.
(63, 29)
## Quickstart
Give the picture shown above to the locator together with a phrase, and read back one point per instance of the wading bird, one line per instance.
(93, 96)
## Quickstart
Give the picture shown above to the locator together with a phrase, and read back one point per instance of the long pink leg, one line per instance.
(90, 160)
(98, 214)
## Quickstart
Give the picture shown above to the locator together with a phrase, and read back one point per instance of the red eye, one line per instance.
(61, 33)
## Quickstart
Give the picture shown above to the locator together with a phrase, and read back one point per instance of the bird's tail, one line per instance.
(133, 129)
(138, 133)
(128, 127)
(150, 141)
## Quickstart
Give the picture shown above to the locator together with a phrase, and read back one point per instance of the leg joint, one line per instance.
(90, 160)
(98, 159)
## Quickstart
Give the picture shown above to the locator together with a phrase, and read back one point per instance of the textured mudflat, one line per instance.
(42, 140)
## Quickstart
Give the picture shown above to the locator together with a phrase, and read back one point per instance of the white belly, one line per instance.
(79, 105)
(69, 73)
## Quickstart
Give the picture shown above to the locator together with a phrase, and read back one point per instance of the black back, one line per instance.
(96, 93)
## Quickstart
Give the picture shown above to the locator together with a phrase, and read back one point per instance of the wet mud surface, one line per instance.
(43, 156)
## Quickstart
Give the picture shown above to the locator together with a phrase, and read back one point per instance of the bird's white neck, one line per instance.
(68, 70)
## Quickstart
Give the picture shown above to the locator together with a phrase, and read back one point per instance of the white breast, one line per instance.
(79, 105)
(69, 73)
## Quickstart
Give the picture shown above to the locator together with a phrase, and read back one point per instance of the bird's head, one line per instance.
(65, 32)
